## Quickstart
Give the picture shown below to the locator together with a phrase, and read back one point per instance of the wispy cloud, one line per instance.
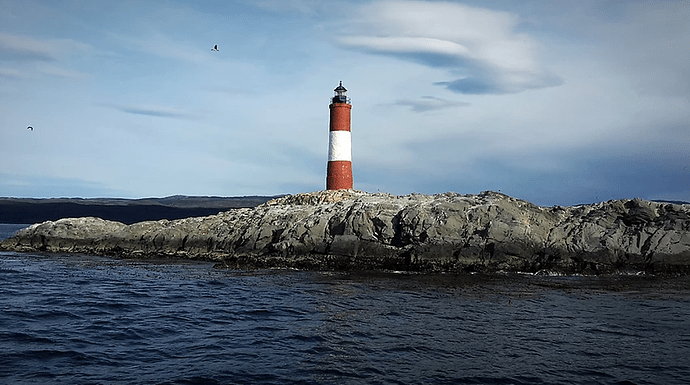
(230, 90)
(12, 184)
(480, 45)
(429, 103)
(61, 72)
(433, 52)
(24, 48)
(11, 73)
(39, 56)
(16, 47)
(486, 82)
(301, 6)
(162, 45)
(153, 110)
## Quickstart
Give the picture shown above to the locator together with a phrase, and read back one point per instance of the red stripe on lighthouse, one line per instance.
(339, 175)
(340, 116)
(339, 171)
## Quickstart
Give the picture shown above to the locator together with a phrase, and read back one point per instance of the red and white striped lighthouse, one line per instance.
(339, 173)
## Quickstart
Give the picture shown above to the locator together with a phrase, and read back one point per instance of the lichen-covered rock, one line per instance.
(349, 229)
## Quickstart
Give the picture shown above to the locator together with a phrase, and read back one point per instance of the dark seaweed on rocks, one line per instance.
(354, 230)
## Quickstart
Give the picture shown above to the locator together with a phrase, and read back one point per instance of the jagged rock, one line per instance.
(350, 229)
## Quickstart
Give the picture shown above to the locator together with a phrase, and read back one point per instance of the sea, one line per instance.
(88, 319)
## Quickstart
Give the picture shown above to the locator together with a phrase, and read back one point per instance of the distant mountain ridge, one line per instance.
(128, 211)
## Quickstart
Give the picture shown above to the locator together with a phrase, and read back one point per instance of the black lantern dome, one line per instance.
(340, 94)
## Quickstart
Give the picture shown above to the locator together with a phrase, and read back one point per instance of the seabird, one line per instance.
(215, 48)
(30, 128)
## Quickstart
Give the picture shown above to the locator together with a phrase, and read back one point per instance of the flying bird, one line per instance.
(215, 48)
(30, 128)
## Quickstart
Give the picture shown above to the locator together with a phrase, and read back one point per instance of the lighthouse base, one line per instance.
(339, 175)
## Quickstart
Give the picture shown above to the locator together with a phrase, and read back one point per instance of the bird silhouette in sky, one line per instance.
(30, 128)
(215, 48)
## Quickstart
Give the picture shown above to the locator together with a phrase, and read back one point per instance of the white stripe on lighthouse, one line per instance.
(339, 146)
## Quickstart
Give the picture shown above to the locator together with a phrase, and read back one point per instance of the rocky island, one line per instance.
(353, 230)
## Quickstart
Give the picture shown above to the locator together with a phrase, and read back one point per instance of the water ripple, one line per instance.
(79, 319)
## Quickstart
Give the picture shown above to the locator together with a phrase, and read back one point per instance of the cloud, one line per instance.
(301, 6)
(15, 47)
(429, 103)
(37, 56)
(650, 46)
(480, 44)
(550, 177)
(21, 185)
(11, 73)
(49, 70)
(24, 48)
(164, 46)
(61, 72)
(153, 110)
(508, 83)
(429, 49)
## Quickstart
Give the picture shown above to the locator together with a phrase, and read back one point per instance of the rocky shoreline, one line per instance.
(353, 230)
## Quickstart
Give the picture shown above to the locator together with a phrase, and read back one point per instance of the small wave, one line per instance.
(23, 338)
(178, 324)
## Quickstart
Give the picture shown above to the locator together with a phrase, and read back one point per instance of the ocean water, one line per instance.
(75, 319)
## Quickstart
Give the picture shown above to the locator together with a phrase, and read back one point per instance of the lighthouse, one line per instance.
(339, 172)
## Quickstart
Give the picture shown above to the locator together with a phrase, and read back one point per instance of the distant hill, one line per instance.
(33, 210)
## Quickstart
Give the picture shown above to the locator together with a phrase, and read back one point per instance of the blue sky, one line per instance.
(555, 102)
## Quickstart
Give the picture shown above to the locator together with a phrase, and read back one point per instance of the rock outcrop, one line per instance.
(346, 229)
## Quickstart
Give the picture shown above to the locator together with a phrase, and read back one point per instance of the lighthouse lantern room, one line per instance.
(339, 172)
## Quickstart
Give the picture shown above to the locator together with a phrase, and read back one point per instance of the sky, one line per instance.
(552, 101)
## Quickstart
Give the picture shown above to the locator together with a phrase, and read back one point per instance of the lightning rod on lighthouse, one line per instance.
(339, 172)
